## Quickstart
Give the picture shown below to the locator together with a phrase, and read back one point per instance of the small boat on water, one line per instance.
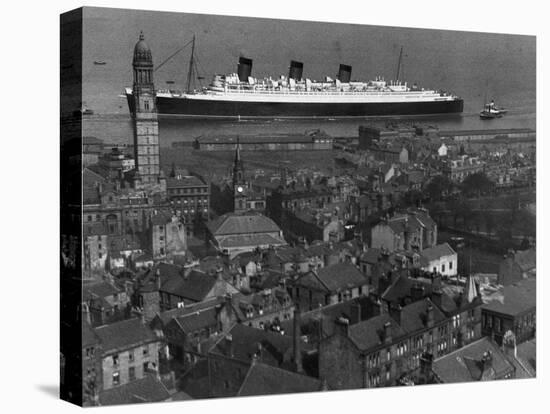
(492, 111)
(99, 62)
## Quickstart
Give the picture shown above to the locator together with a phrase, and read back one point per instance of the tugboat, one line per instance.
(491, 111)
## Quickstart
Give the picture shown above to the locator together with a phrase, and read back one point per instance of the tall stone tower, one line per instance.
(146, 135)
(239, 182)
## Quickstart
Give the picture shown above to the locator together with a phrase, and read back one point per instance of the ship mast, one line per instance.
(399, 64)
(191, 66)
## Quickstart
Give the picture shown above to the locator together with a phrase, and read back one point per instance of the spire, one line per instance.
(238, 152)
(470, 290)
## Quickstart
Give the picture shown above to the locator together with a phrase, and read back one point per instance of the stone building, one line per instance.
(481, 360)
(412, 230)
(190, 196)
(328, 285)
(512, 308)
(517, 266)
(144, 112)
(440, 259)
(233, 234)
(168, 235)
(129, 350)
(410, 327)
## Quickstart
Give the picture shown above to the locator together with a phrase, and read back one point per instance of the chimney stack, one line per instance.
(430, 315)
(417, 292)
(297, 338)
(509, 344)
(486, 360)
(157, 279)
(355, 313)
(342, 325)
(395, 313)
(387, 333)
(229, 344)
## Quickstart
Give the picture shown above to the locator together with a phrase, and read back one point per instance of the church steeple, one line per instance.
(238, 166)
(239, 181)
(471, 289)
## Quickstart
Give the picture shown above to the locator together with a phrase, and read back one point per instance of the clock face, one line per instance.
(239, 189)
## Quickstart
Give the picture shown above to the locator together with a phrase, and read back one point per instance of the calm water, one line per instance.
(471, 65)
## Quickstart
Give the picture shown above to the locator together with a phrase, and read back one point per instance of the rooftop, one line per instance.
(147, 389)
(437, 252)
(125, 334)
(233, 224)
(465, 364)
(513, 299)
(263, 379)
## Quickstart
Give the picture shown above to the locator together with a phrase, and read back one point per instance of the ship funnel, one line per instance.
(344, 73)
(244, 69)
(295, 71)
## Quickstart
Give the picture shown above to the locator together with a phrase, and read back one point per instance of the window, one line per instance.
(115, 359)
(145, 366)
(89, 218)
(443, 268)
(116, 378)
(90, 352)
(450, 265)
(131, 356)
(132, 373)
(145, 350)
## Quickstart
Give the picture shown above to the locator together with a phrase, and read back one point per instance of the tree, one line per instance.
(438, 187)
(477, 184)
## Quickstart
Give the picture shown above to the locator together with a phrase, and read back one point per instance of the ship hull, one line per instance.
(227, 109)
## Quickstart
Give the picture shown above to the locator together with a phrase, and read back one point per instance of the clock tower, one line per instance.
(146, 135)
(240, 187)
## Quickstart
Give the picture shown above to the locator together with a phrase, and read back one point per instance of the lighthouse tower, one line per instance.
(146, 135)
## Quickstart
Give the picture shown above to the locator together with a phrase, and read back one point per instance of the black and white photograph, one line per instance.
(253, 205)
(272, 206)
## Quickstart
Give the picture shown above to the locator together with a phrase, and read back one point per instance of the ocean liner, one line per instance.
(241, 96)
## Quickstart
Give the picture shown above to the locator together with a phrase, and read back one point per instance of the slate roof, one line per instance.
(125, 334)
(194, 287)
(89, 336)
(513, 299)
(184, 181)
(463, 365)
(198, 319)
(369, 334)
(414, 316)
(400, 224)
(147, 389)
(167, 316)
(250, 240)
(263, 379)
(526, 359)
(232, 224)
(371, 255)
(526, 259)
(341, 276)
(245, 340)
(99, 290)
(437, 252)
